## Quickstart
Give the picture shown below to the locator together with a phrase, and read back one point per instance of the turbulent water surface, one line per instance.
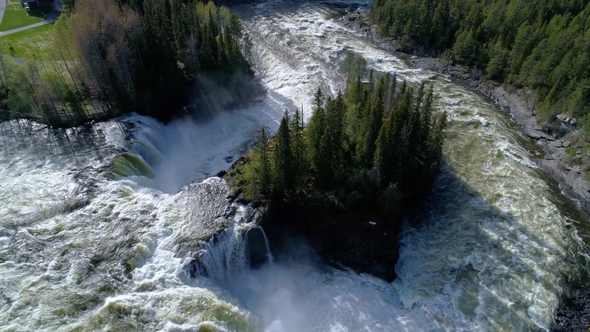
(98, 224)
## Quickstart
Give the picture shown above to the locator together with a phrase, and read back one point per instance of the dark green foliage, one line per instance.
(298, 149)
(68, 5)
(265, 172)
(145, 56)
(542, 44)
(368, 148)
(283, 162)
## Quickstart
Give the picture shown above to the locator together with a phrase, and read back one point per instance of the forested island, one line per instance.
(366, 157)
(345, 179)
(153, 57)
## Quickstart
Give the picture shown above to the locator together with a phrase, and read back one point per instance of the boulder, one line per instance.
(556, 144)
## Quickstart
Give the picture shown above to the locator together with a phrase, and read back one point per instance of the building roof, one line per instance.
(57, 6)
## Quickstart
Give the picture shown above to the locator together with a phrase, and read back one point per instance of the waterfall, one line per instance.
(83, 250)
(241, 245)
(269, 256)
(224, 255)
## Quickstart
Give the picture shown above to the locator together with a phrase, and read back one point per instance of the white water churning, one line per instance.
(87, 248)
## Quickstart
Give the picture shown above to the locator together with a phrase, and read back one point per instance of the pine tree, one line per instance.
(298, 149)
(315, 131)
(265, 172)
(283, 176)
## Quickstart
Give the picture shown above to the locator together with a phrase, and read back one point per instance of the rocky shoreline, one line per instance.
(573, 314)
(520, 104)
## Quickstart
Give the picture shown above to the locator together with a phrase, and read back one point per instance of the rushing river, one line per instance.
(98, 223)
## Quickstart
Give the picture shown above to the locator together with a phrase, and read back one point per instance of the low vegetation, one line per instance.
(29, 44)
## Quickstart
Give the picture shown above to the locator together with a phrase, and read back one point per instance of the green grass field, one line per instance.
(28, 44)
(17, 16)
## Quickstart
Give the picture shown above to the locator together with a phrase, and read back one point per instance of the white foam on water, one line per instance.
(189, 151)
(80, 250)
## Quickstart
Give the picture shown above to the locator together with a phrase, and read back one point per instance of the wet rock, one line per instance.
(573, 121)
(257, 247)
(561, 117)
(574, 315)
(339, 236)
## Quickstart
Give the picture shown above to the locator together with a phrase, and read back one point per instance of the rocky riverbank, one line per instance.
(520, 103)
(574, 313)
(551, 138)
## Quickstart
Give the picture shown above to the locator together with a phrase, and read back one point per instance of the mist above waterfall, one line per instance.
(298, 293)
(187, 150)
(85, 249)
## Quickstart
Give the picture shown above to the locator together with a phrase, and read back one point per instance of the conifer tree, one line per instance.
(298, 149)
(315, 131)
(283, 176)
(265, 173)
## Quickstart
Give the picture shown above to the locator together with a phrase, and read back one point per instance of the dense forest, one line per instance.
(541, 44)
(113, 57)
(377, 146)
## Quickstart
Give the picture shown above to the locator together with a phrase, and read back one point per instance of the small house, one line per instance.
(30, 4)
(57, 7)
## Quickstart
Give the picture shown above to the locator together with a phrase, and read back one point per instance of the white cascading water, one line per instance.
(86, 246)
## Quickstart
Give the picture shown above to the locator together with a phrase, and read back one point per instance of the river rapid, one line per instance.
(99, 223)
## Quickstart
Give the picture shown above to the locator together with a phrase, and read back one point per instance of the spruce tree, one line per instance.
(265, 173)
(298, 149)
(283, 176)
(315, 131)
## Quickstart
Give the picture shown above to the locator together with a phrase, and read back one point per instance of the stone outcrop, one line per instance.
(357, 239)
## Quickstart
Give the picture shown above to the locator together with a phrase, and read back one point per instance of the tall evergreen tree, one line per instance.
(265, 173)
(283, 175)
(298, 149)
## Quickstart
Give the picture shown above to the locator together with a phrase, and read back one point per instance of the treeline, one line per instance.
(542, 44)
(378, 145)
(121, 56)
